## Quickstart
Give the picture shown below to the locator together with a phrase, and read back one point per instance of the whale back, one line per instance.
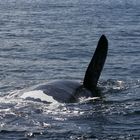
(67, 91)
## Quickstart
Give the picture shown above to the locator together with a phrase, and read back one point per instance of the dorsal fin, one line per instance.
(95, 67)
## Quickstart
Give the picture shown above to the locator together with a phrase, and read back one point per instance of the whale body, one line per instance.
(67, 91)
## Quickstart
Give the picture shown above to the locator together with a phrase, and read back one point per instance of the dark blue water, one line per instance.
(54, 39)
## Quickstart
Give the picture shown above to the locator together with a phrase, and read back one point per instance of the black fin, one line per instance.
(95, 67)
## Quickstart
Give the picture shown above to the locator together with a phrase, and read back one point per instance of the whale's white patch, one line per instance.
(38, 94)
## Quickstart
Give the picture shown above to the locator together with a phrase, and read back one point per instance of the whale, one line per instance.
(70, 91)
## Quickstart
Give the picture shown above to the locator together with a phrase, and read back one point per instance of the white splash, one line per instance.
(38, 94)
(84, 99)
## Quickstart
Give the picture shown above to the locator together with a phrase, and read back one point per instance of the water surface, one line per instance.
(55, 39)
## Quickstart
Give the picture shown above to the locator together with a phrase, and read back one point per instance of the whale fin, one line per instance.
(95, 67)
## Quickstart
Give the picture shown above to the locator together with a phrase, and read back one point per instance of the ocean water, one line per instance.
(42, 40)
